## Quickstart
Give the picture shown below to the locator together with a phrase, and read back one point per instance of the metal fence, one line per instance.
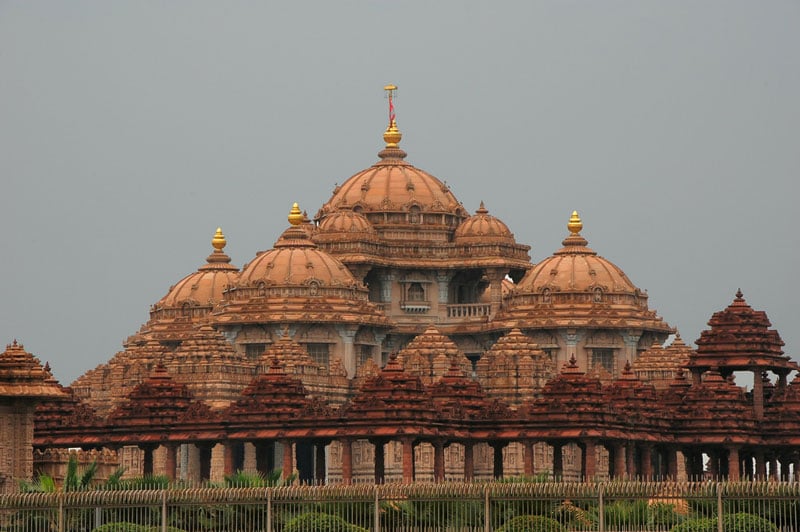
(456, 507)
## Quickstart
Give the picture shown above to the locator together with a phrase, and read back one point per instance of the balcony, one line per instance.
(469, 310)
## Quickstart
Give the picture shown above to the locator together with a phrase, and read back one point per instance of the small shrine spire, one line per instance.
(392, 135)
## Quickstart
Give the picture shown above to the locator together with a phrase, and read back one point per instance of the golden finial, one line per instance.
(575, 225)
(219, 240)
(295, 215)
(392, 135)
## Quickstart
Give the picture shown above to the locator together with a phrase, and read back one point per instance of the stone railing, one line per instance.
(469, 310)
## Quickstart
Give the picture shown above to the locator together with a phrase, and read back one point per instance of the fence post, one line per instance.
(269, 510)
(720, 524)
(61, 512)
(487, 518)
(163, 510)
(377, 511)
(601, 508)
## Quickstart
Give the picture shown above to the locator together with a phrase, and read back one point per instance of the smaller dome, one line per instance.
(482, 227)
(205, 286)
(577, 268)
(296, 260)
(347, 221)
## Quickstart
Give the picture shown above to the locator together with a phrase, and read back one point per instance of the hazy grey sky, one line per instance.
(130, 130)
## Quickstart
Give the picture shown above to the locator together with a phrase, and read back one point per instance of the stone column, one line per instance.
(347, 460)
(589, 465)
(758, 395)
(571, 339)
(469, 461)
(288, 458)
(647, 462)
(408, 460)
(733, 463)
(496, 277)
(348, 335)
(387, 280)
(438, 461)
(229, 455)
(171, 464)
(631, 339)
(527, 458)
(443, 282)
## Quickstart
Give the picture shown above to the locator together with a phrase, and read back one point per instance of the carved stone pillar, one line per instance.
(527, 458)
(387, 280)
(288, 458)
(647, 462)
(443, 282)
(571, 339)
(758, 395)
(347, 460)
(171, 464)
(408, 460)
(438, 460)
(229, 455)
(631, 339)
(348, 336)
(733, 463)
(469, 461)
(496, 277)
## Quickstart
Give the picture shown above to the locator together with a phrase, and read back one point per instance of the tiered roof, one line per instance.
(22, 375)
(514, 369)
(659, 365)
(740, 338)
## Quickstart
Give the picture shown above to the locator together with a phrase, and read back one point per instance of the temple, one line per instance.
(397, 337)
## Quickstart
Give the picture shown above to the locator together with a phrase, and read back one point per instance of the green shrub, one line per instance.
(744, 522)
(124, 526)
(697, 524)
(532, 523)
(741, 522)
(663, 515)
(320, 523)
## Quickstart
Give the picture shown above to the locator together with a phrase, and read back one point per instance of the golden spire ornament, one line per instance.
(219, 240)
(295, 215)
(575, 225)
(392, 135)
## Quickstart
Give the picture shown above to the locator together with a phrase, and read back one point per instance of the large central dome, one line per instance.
(394, 192)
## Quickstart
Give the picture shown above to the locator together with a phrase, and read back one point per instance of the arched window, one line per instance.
(416, 292)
